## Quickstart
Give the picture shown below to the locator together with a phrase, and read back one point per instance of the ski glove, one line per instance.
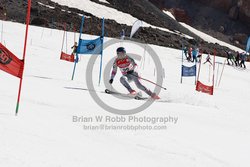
(111, 81)
(130, 72)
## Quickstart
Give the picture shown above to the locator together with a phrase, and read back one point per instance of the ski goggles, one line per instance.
(121, 54)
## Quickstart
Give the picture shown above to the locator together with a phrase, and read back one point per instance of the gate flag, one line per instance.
(67, 57)
(90, 46)
(200, 87)
(188, 71)
(10, 63)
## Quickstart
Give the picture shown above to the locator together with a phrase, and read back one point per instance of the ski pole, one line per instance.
(150, 82)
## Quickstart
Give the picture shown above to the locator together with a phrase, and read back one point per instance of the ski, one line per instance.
(136, 96)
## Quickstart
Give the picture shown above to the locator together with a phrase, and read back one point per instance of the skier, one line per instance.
(127, 66)
(74, 47)
(208, 58)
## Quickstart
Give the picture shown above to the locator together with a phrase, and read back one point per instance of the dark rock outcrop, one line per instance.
(230, 17)
(234, 13)
(180, 15)
(49, 14)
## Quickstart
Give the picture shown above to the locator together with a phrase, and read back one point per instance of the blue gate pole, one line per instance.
(102, 38)
(78, 48)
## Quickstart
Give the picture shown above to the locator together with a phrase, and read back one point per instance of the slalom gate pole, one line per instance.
(24, 53)
(63, 37)
(181, 60)
(217, 74)
(197, 79)
(144, 56)
(213, 70)
(222, 72)
(77, 58)
(66, 37)
(100, 70)
(195, 74)
(209, 72)
(2, 33)
(2, 27)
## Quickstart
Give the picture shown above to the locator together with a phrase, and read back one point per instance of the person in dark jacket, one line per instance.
(243, 57)
(237, 59)
(229, 57)
(74, 47)
(185, 50)
(195, 53)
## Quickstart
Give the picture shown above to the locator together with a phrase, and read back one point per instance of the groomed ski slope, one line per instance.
(210, 130)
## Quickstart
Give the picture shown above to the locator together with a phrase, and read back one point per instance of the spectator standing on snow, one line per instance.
(243, 57)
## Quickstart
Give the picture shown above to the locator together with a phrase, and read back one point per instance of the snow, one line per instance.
(204, 36)
(104, 1)
(169, 14)
(210, 130)
(101, 11)
(210, 39)
(48, 6)
(113, 14)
